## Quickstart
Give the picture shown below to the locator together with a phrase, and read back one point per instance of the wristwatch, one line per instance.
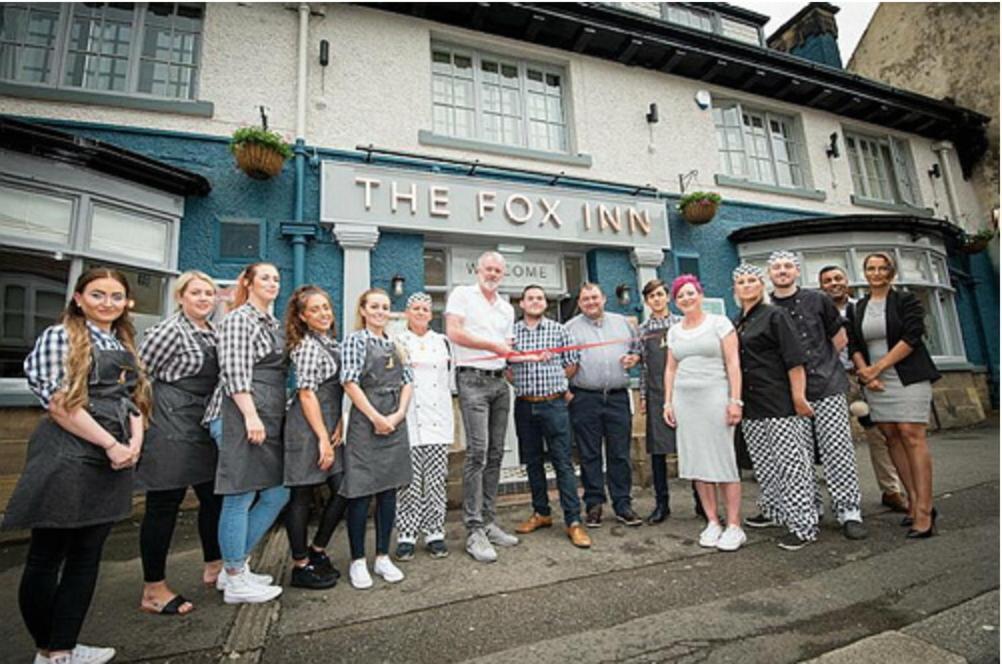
(736, 402)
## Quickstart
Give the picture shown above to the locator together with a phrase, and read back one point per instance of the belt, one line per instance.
(493, 373)
(548, 397)
(602, 392)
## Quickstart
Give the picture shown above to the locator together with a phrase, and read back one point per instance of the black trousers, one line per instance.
(157, 528)
(358, 513)
(58, 583)
(297, 517)
(659, 476)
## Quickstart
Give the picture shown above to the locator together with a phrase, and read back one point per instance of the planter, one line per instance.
(699, 212)
(258, 161)
(974, 245)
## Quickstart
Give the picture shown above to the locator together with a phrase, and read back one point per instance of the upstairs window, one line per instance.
(498, 100)
(130, 48)
(882, 169)
(759, 146)
(697, 18)
(690, 17)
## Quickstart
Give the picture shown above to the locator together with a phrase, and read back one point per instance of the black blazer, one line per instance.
(905, 322)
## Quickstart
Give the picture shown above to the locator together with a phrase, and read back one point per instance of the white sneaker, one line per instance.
(731, 539)
(480, 548)
(240, 589)
(359, 574)
(253, 577)
(92, 654)
(498, 537)
(385, 568)
(710, 535)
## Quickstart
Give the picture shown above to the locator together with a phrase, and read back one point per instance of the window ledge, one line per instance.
(809, 194)
(202, 109)
(951, 363)
(890, 207)
(426, 137)
(14, 393)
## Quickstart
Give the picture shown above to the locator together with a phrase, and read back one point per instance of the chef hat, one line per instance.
(783, 255)
(746, 269)
(418, 297)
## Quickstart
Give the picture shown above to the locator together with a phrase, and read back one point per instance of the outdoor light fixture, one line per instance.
(623, 294)
(325, 52)
(397, 284)
(652, 114)
(832, 149)
(934, 171)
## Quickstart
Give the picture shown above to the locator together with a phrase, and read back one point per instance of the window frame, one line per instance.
(898, 149)
(716, 19)
(241, 260)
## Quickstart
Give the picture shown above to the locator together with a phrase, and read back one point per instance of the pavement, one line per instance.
(647, 594)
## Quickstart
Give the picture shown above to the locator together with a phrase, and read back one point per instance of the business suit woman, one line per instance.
(896, 371)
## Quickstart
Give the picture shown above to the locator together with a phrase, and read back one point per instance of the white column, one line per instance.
(647, 260)
(357, 241)
(943, 150)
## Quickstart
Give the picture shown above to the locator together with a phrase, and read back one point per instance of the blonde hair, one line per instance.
(360, 307)
(887, 257)
(246, 277)
(765, 298)
(184, 280)
(295, 328)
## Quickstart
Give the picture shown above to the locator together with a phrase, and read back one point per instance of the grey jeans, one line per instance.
(484, 402)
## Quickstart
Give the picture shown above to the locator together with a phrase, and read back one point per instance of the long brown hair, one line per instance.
(295, 327)
(78, 359)
(242, 289)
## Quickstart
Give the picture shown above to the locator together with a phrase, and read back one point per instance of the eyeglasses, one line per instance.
(114, 298)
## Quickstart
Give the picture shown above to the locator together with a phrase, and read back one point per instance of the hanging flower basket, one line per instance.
(699, 207)
(976, 243)
(259, 153)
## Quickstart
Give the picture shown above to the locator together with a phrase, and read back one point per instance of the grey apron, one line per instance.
(301, 451)
(68, 482)
(660, 436)
(374, 463)
(242, 466)
(177, 450)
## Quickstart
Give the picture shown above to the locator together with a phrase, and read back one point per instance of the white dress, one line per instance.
(705, 442)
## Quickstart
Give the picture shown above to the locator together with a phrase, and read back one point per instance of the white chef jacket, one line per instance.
(429, 415)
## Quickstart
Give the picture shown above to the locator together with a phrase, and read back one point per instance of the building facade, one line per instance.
(561, 135)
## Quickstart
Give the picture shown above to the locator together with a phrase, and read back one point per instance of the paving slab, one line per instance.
(889, 647)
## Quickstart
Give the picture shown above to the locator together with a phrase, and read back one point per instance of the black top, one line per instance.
(905, 317)
(769, 347)
(817, 320)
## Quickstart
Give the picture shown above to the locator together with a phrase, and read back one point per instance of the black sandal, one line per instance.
(171, 608)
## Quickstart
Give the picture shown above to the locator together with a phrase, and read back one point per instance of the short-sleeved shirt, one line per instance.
(698, 352)
(769, 348)
(172, 349)
(313, 359)
(817, 320)
(541, 379)
(353, 353)
(599, 367)
(488, 320)
(45, 365)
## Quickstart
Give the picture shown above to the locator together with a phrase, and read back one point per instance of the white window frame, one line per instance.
(669, 13)
(898, 169)
(768, 117)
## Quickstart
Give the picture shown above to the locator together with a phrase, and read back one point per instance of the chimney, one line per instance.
(811, 34)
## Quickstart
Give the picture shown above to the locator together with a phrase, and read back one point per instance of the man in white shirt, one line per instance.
(479, 322)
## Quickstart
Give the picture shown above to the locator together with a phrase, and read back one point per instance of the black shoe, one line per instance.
(404, 552)
(594, 517)
(791, 542)
(660, 513)
(437, 549)
(629, 518)
(310, 577)
(908, 522)
(921, 534)
(854, 530)
(761, 521)
(323, 564)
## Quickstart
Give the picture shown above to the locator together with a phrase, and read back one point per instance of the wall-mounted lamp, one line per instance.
(652, 114)
(832, 149)
(934, 171)
(325, 52)
(397, 285)
(623, 294)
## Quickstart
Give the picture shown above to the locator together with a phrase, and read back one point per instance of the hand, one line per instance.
(629, 360)
(733, 414)
(136, 449)
(326, 459)
(876, 385)
(568, 396)
(337, 436)
(119, 455)
(868, 373)
(501, 348)
(255, 429)
(382, 425)
(802, 407)
(669, 415)
(643, 406)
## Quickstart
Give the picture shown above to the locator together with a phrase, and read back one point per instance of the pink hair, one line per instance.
(682, 280)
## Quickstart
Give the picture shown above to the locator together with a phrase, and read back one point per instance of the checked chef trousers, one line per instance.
(421, 504)
(781, 451)
(833, 434)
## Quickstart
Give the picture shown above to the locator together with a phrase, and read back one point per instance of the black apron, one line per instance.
(68, 482)
(301, 445)
(242, 466)
(660, 436)
(374, 463)
(177, 450)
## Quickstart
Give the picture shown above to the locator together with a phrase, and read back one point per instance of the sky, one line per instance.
(852, 19)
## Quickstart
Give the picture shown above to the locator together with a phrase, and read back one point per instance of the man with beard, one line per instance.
(834, 282)
(479, 322)
(823, 336)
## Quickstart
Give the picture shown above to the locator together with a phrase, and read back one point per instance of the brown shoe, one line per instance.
(579, 536)
(534, 522)
(896, 501)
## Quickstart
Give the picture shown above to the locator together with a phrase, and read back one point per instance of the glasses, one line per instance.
(114, 298)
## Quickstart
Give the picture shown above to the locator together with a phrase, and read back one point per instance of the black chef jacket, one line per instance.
(769, 348)
(817, 320)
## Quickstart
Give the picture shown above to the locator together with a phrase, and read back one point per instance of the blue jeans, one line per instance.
(242, 521)
(596, 417)
(546, 426)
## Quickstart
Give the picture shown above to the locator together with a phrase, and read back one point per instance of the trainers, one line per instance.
(323, 564)
(404, 552)
(91, 655)
(499, 537)
(437, 548)
(252, 577)
(240, 589)
(761, 521)
(310, 577)
(791, 542)
(534, 522)
(578, 535)
(854, 530)
(732, 539)
(385, 568)
(710, 535)
(629, 518)
(478, 546)
(593, 519)
(359, 574)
